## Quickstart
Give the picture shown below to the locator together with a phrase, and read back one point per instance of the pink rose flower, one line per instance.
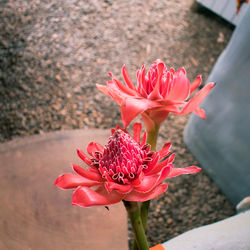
(156, 94)
(125, 169)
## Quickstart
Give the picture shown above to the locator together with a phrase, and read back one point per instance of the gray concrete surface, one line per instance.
(229, 234)
(221, 143)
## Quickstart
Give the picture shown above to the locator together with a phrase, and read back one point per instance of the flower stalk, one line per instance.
(152, 140)
(133, 211)
(152, 137)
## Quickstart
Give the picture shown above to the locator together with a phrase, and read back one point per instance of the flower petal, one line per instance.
(87, 174)
(149, 182)
(141, 82)
(156, 113)
(93, 147)
(180, 86)
(165, 150)
(104, 89)
(112, 92)
(86, 197)
(162, 164)
(196, 83)
(164, 173)
(141, 197)
(197, 99)
(84, 157)
(148, 122)
(121, 188)
(200, 112)
(69, 180)
(137, 181)
(116, 128)
(144, 139)
(155, 94)
(127, 78)
(132, 107)
(123, 87)
(137, 131)
(188, 170)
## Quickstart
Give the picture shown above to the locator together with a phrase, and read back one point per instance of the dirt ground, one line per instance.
(52, 53)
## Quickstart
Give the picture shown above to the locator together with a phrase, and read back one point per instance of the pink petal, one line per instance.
(87, 174)
(155, 116)
(165, 150)
(121, 188)
(171, 157)
(166, 102)
(167, 85)
(141, 82)
(172, 70)
(116, 128)
(168, 108)
(84, 157)
(162, 164)
(200, 112)
(148, 122)
(102, 88)
(195, 84)
(93, 147)
(137, 131)
(112, 92)
(86, 197)
(154, 161)
(149, 182)
(197, 99)
(70, 180)
(141, 197)
(144, 138)
(188, 170)
(180, 86)
(132, 107)
(127, 78)
(124, 88)
(155, 94)
(164, 173)
(138, 180)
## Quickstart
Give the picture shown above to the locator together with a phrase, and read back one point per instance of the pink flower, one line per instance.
(156, 94)
(125, 169)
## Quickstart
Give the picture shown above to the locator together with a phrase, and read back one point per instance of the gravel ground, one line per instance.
(52, 53)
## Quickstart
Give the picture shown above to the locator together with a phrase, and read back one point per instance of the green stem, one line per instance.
(152, 140)
(144, 213)
(152, 137)
(135, 218)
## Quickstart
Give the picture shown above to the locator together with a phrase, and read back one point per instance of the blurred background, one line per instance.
(52, 53)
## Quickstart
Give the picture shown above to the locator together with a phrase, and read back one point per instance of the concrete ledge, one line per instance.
(37, 215)
(229, 234)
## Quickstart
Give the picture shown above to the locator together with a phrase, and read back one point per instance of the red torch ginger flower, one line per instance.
(156, 94)
(125, 169)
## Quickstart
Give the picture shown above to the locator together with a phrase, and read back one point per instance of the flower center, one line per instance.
(122, 159)
(165, 80)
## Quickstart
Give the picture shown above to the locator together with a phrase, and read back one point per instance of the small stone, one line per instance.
(58, 78)
(169, 221)
(243, 205)
(56, 106)
(68, 95)
(63, 112)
